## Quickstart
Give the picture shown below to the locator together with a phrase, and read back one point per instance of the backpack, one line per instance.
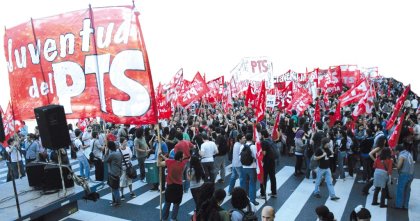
(249, 215)
(246, 155)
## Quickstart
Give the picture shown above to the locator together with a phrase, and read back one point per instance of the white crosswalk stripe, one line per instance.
(92, 216)
(342, 190)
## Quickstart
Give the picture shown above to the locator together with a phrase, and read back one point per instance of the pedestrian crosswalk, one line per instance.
(294, 200)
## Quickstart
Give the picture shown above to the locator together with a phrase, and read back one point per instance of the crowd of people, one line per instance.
(195, 145)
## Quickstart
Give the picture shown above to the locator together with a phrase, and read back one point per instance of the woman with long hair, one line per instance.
(383, 171)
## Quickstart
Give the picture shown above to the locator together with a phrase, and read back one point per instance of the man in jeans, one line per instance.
(207, 151)
(405, 168)
(323, 155)
(249, 172)
(236, 163)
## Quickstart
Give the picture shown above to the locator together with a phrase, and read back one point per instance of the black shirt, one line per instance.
(324, 163)
(317, 139)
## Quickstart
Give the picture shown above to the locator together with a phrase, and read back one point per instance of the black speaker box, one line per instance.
(52, 126)
(35, 172)
(52, 178)
(2, 135)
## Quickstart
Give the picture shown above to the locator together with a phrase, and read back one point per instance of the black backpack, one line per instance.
(246, 155)
(249, 215)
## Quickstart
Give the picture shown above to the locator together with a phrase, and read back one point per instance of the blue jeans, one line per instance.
(250, 173)
(236, 173)
(84, 167)
(341, 157)
(166, 208)
(328, 180)
(403, 190)
(116, 196)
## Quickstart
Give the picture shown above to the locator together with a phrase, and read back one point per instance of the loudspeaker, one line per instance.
(52, 178)
(52, 126)
(2, 135)
(35, 172)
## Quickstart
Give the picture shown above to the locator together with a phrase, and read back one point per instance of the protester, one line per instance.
(142, 151)
(236, 162)
(196, 177)
(207, 151)
(382, 175)
(240, 204)
(322, 155)
(81, 157)
(173, 193)
(324, 213)
(405, 167)
(269, 165)
(16, 168)
(113, 158)
(248, 156)
(268, 214)
(97, 150)
(125, 181)
(360, 214)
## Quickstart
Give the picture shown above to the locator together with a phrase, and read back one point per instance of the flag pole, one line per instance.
(160, 169)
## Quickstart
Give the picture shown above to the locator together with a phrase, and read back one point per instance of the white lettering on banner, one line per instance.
(64, 91)
(139, 101)
(187, 94)
(283, 98)
(91, 66)
(67, 42)
(262, 66)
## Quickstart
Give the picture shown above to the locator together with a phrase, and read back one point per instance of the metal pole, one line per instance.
(160, 170)
(14, 187)
(61, 172)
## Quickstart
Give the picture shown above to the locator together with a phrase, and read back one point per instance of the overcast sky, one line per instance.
(213, 36)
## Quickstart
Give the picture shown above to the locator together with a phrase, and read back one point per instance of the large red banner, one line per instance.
(93, 62)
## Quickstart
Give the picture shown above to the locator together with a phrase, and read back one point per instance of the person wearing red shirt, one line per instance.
(185, 146)
(383, 172)
(173, 193)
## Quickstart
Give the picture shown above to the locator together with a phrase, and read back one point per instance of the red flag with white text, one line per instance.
(194, 92)
(164, 108)
(354, 94)
(366, 104)
(216, 87)
(397, 108)
(8, 122)
(395, 136)
(275, 135)
(284, 96)
(93, 64)
(301, 101)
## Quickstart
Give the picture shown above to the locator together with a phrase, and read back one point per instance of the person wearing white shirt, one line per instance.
(83, 160)
(87, 139)
(414, 103)
(16, 162)
(207, 151)
(249, 172)
(236, 162)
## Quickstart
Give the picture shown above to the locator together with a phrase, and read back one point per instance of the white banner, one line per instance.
(271, 100)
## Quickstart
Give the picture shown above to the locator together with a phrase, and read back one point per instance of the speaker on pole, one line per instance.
(52, 125)
(2, 135)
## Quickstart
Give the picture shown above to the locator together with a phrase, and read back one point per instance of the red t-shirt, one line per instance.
(175, 170)
(184, 146)
(379, 165)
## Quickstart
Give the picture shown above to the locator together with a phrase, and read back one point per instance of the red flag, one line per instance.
(216, 87)
(275, 133)
(196, 90)
(300, 102)
(354, 94)
(260, 169)
(397, 108)
(175, 87)
(227, 98)
(366, 104)
(8, 122)
(251, 96)
(393, 139)
(110, 78)
(284, 97)
(326, 101)
(337, 114)
(164, 108)
(261, 103)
